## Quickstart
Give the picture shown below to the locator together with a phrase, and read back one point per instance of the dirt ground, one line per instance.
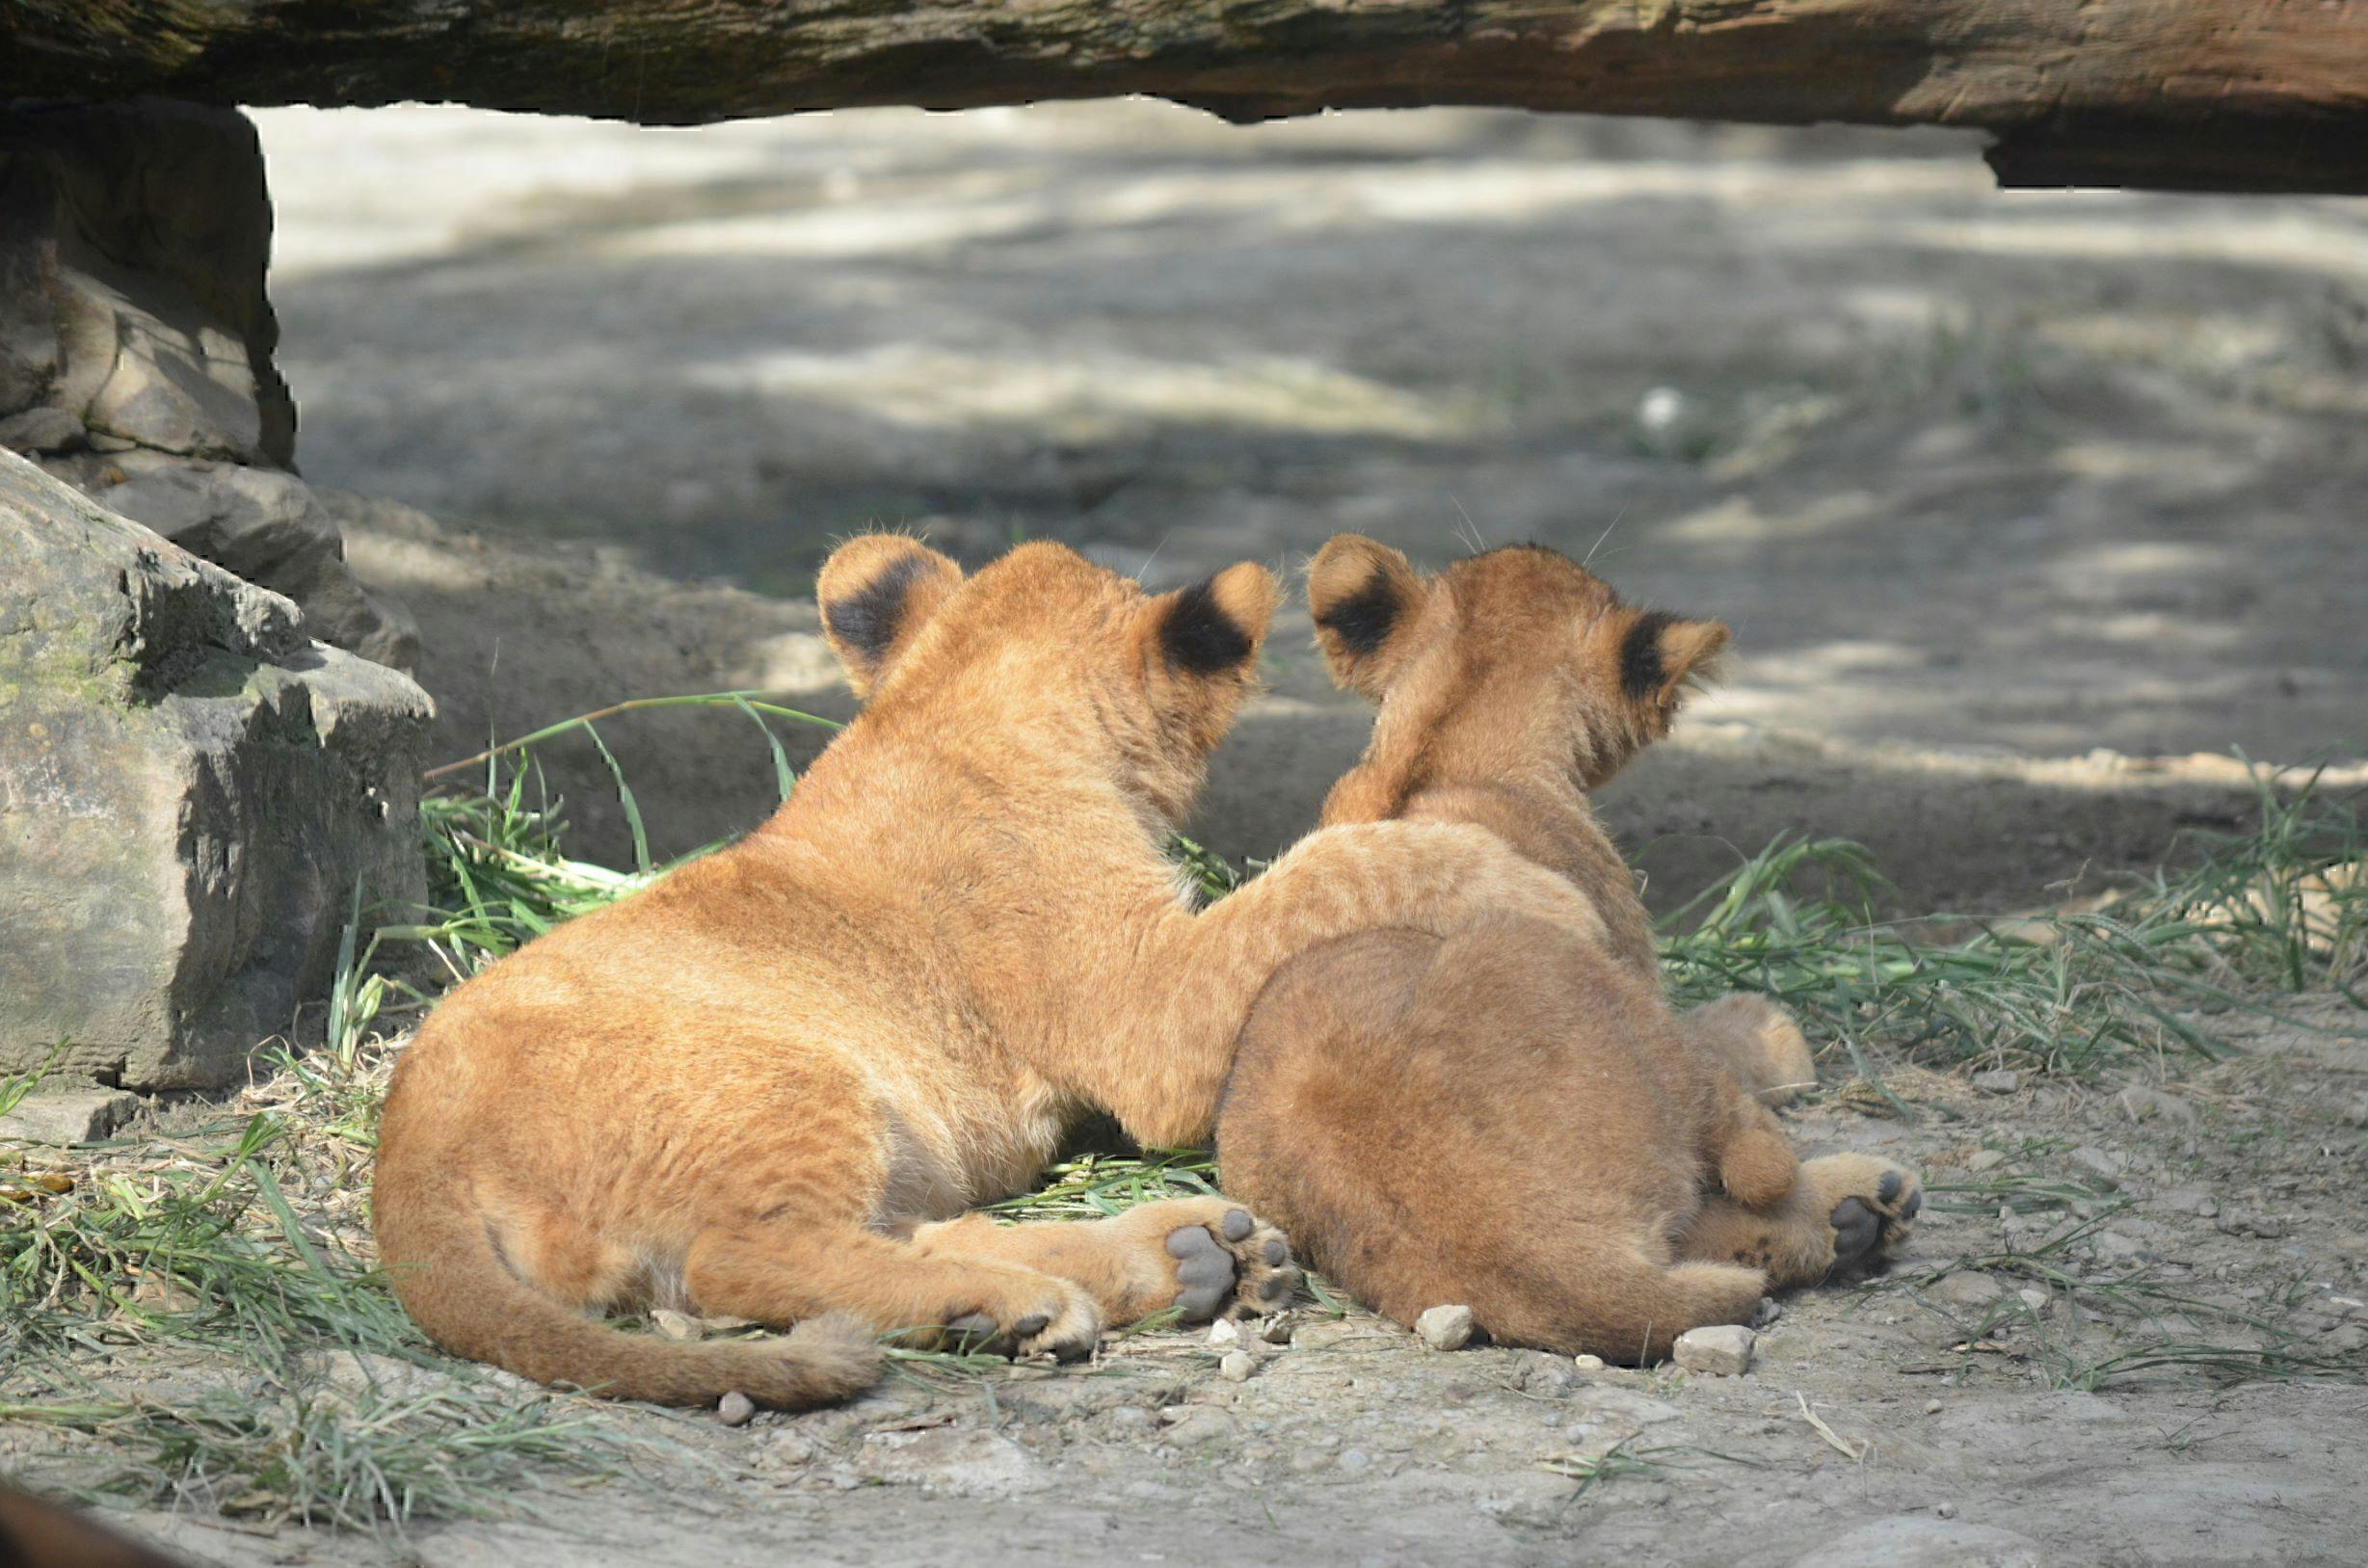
(2015, 501)
(2009, 1395)
(1977, 477)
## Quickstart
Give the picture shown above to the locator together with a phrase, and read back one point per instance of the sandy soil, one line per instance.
(1984, 475)
(1963, 1422)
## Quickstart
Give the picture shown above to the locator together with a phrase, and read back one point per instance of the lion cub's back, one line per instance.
(1416, 1112)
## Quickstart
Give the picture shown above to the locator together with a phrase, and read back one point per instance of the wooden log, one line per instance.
(2231, 94)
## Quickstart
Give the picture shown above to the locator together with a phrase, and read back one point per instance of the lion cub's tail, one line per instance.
(442, 1264)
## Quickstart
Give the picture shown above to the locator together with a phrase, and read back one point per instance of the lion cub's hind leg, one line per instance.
(778, 1274)
(1845, 1214)
(1204, 1257)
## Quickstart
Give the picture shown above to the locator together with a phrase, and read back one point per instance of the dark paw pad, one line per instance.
(1856, 1230)
(1204, 1270)
(972, 1331)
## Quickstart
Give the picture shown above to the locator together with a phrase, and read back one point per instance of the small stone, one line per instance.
(1723, 1351)
(1445, 1328)
(2251, 1222)
(674, 1325)
(2141, 1103)
(1589, 1364)
(1945, 1510)
(1224, 1334)
(2104, 1164)
(735, 1408)
(1767, 1311)
(2344, 1339)
(1967, 1287)
(1984, 1160)
(1236, 1365)
(1998, 1080)
(1274, 1330)
(2190, 1201)
(2118, 1247)
(2032, 1296)
(1931, 1407)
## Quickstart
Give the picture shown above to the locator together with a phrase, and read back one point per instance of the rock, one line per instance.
(1198, 1426)
(2190, 1201)
(1920, 1541)
(1275, 1330)
(952, 1459)
(1984, 1160)
(1998, 1080)
(2344, 1339)
(2118, 1246)
(77, 1116)
(2251, 1222)
(191, 791)
(2105, 1166)
(2032, 1297)
(735, 1408)
(131, 279)
(42, 429)
(1966, 1287)
(1723, 1350)
(1224, 1334)
(676, 1325)
(269, 528)
(1445, 1328)
(1589, 1364)
(1236, 1365)
(2140, 1103)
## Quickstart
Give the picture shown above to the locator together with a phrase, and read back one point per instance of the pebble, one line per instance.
(1236, 1365)
(1967, 1287)
(1275, 1330)
(2139, 1103)
(1445, 1328)
(1224, 1333)
(1984, 1160)
(674, 1325)
(1589, 1364)
(2105, 1165)
(735, 1408)
(1723, 1350)
(1998, 1080)
(2190, 1201)
(1767, 1311)
(2251, 1222)
(2032, 1296)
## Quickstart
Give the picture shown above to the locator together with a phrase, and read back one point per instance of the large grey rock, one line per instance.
(190, 791)
(136, 346)
(133, 243)
(268, 527)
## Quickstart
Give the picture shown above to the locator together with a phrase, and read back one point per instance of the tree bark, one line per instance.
(2231, 94)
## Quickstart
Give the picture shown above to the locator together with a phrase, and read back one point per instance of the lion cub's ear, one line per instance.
(1366, 599)
(1661, 656)
(876, 591)
(1218, 624)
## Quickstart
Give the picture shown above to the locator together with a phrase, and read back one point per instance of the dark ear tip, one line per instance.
(1360, 620)
(1198, 636)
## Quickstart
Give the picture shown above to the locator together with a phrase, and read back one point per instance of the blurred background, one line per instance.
(1986, 483)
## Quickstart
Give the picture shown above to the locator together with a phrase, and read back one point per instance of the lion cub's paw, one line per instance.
(1874, 1207)
(1234, 1267)
(1064, 1322)
(1214, 1260)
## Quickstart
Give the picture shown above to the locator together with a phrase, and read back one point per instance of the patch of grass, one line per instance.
(236, 1256)
(2283, 908)
(1092, 1186)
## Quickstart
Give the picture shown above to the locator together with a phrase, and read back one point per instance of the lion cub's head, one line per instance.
(1043, 643)
(1508, 656)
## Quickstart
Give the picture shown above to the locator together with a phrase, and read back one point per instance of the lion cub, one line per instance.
(1510, 1116)
(771, 1084)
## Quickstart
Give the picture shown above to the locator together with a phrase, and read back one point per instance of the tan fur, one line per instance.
(1510, 1116)
(761, 1086)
